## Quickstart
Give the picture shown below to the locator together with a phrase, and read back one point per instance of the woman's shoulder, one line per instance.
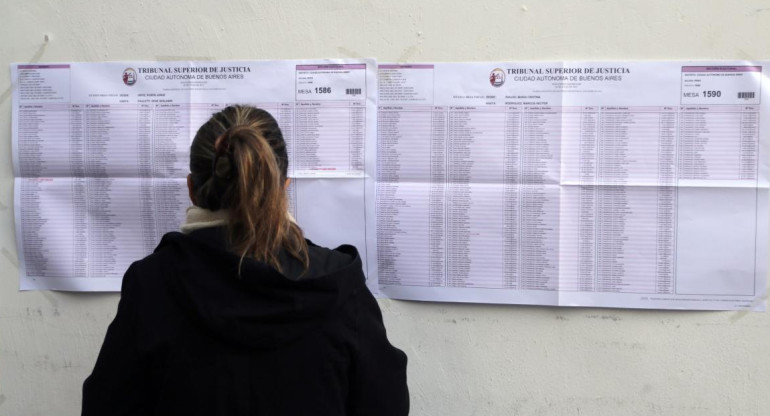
(328, 259)
(322, 262)
(175, 251)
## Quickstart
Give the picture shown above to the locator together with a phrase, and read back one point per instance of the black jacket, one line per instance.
(192, 338)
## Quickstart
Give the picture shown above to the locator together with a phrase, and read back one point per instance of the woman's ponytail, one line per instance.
(247, 176)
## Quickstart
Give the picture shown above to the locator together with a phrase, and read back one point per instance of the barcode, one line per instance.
(353, 91)
(746, 94)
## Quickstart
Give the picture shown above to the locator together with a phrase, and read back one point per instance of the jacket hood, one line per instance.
(261, 307)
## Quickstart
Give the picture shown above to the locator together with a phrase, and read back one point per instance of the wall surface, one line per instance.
(464, 359)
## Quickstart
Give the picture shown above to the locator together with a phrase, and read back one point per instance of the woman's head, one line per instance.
(238, 162)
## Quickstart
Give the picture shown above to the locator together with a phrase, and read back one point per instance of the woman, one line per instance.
(239, 314)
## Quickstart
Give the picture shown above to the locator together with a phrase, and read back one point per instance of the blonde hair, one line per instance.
(238, 162)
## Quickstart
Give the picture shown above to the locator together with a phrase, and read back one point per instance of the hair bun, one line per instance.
(221, 167)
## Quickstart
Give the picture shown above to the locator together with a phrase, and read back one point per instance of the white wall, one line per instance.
(464, 359)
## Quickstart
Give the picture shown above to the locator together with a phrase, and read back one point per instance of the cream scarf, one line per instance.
(198, 218)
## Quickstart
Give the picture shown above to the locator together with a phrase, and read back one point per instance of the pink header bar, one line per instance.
(58, 66)
(721, 69)
(406, 66)
(330, 66)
